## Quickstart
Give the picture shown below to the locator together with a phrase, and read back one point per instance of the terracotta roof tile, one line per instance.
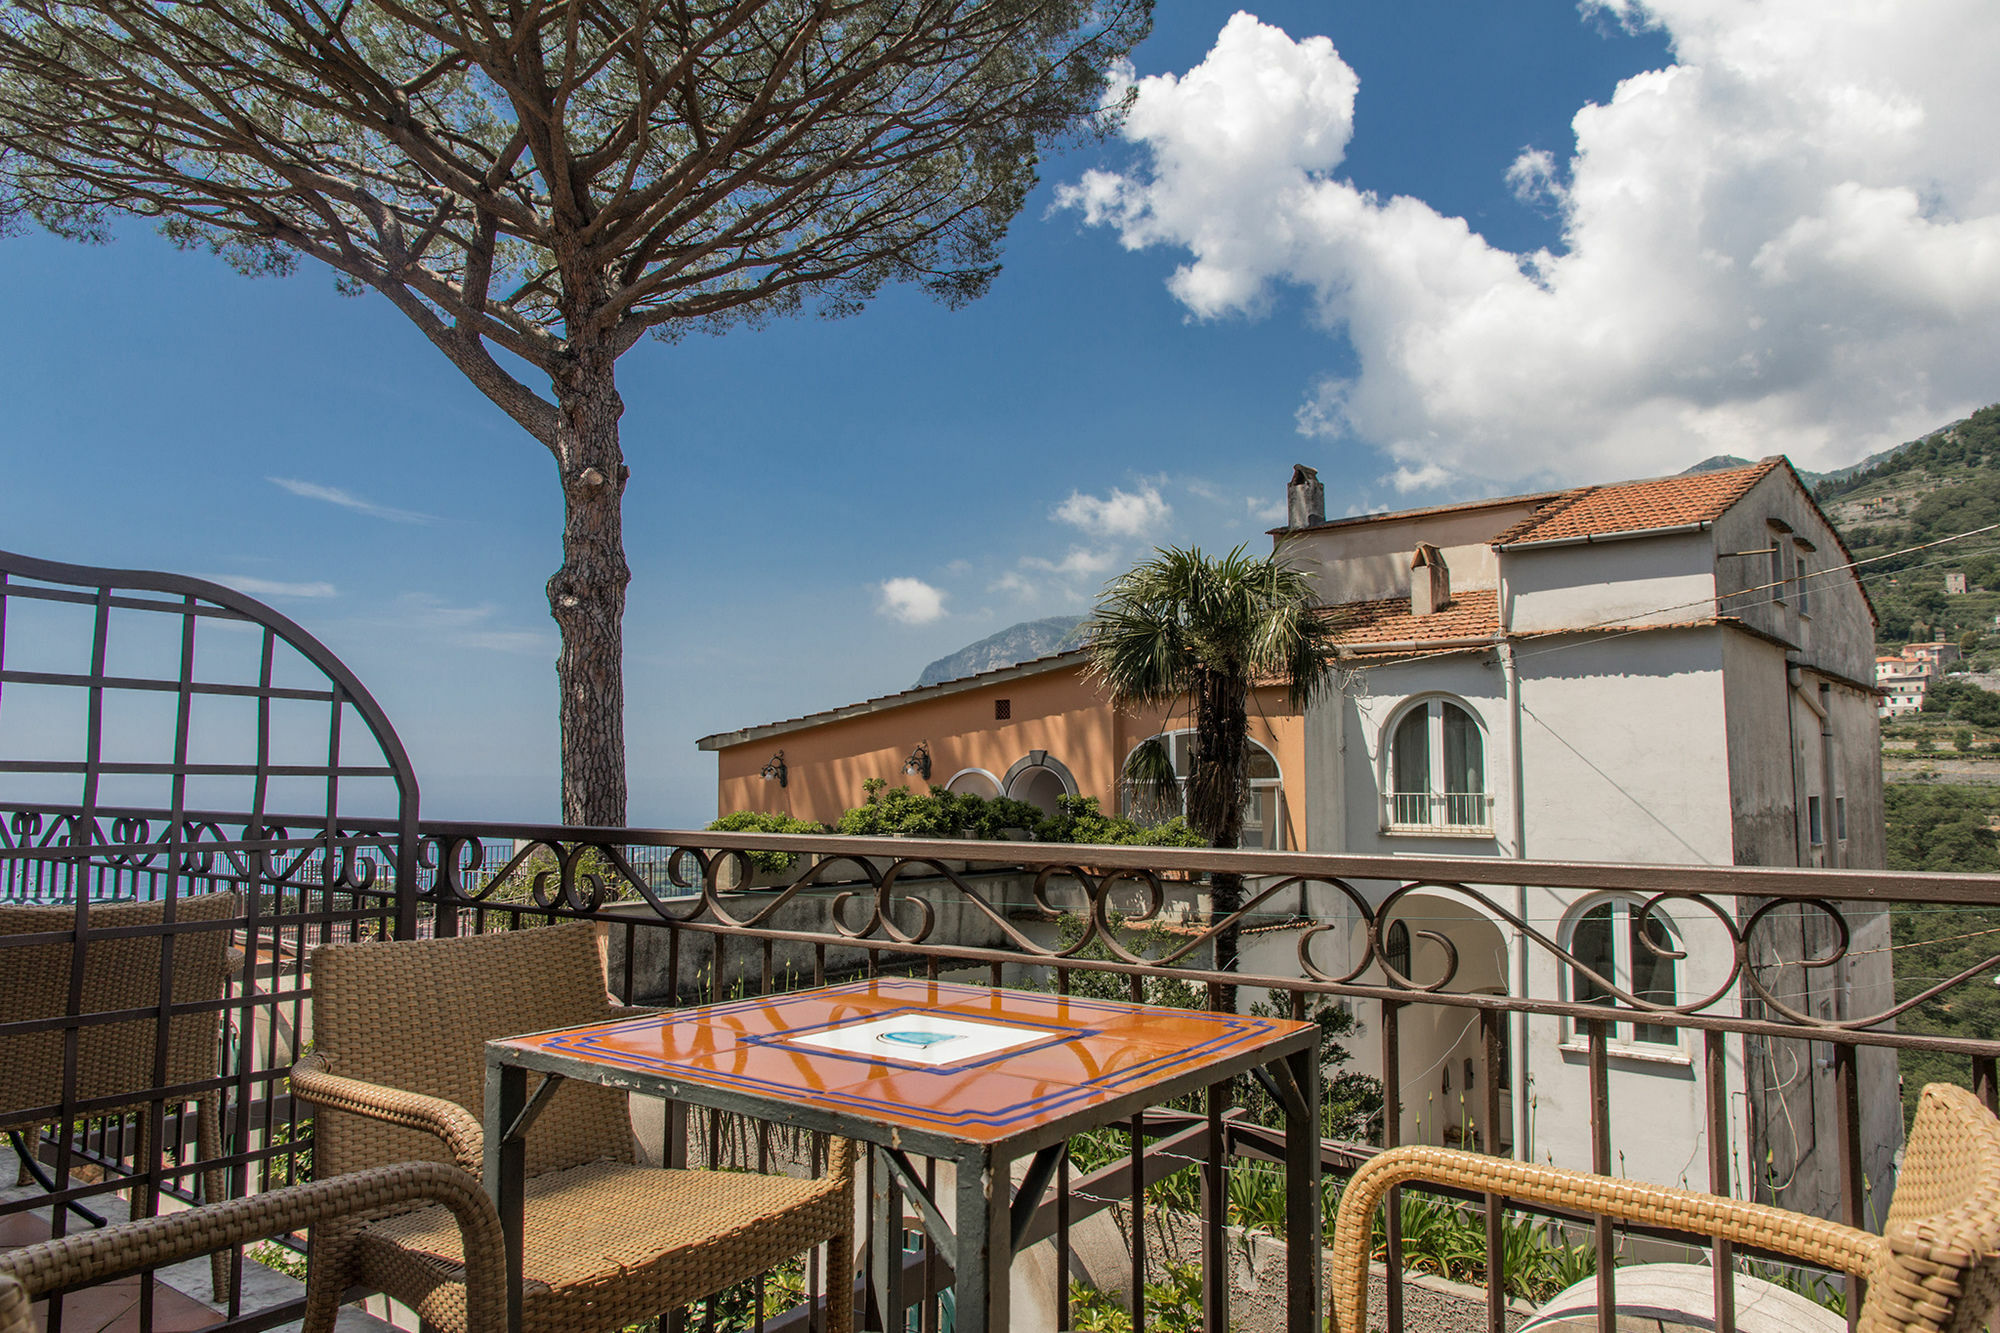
(1388, 620)
(1639, 506)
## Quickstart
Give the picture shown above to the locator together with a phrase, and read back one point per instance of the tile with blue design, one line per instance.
(973, 1063)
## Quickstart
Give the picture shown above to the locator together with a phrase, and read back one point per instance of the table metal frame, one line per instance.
(986, 1223)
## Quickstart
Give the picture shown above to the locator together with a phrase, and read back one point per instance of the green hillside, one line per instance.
(1946, 483)
(1933, 826)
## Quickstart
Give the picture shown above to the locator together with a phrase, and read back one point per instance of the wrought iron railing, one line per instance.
(1014, 913)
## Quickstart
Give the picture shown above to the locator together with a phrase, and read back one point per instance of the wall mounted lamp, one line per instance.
(919, 761)
(774, 771)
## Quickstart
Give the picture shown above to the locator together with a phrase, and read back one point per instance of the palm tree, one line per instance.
(1184, 628)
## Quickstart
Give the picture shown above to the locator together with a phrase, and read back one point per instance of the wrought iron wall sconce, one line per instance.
(774, 771)
(919, 761)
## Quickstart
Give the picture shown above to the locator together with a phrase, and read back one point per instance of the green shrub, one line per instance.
(1080, 819)
(1172, 1305)
(759, 821)
(891, 811)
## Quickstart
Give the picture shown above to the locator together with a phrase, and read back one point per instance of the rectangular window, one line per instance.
(1813, 831)
(1003, 709)
(1805, 593)
(1777, 579)
(1840, 818)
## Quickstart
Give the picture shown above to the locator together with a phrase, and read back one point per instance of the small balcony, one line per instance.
(1467, 813)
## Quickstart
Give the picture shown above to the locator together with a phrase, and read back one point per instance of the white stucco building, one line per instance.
(1673, 671)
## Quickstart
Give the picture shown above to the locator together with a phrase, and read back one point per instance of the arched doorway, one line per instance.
(1444, 1061)
(1039, 780)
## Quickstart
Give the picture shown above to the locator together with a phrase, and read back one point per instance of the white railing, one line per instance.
(1430, 809)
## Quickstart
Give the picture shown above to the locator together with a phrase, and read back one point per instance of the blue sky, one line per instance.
(819, 508)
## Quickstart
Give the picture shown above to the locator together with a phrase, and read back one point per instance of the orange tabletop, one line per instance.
(970, 1063)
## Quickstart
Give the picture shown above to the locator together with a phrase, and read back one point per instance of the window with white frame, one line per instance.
(1436, 769)
(1632, 949)
(1263, 807)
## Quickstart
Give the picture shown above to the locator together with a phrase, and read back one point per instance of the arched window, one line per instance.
(1397, 948)
(1263, 810)
(974, 782)
(1436, 769)
(1632, 949)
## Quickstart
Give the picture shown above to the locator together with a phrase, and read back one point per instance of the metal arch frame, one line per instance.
(348, 685)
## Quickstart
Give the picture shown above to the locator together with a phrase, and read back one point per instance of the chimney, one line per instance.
(1305, 498)
(1430, 581)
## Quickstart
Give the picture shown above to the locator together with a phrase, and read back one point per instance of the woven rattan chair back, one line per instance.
(119, 972)
(416, 1015)
(1940, 1268)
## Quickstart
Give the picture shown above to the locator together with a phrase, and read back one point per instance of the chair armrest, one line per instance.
(312, 1082)
(34, 1271)
(1778, 1230)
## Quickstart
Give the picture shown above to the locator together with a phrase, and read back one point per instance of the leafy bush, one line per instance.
(889, 811)
(759, 821)
(904, 812)
(1962, 701)
(1080, 819)
(1172, 1305)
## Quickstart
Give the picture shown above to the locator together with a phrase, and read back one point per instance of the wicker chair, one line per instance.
(1935, 1268)
(35, 1271)
(400, 1031)
(116, 1059)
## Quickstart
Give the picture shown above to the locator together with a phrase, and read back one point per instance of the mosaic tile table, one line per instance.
(976, 1076)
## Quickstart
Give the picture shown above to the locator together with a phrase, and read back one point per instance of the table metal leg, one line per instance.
(506, 1155)
(1302, 1207)
(887, 1309)
(985, 1244)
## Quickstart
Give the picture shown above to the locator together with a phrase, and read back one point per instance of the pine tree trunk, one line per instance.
(587, 595)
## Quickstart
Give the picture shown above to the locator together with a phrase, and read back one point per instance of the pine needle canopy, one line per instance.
(1164, 625)
(505, 171)
(554, 179)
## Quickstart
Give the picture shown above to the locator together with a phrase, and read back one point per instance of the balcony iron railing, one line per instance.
(857, 906)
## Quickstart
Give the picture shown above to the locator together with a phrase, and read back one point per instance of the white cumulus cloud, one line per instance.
(1787, 240)
(334, 495)
(273, 588)
(911, 601)
(1120, 514)
(1079, 563)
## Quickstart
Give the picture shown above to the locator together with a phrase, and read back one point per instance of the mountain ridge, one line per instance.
(1017, 643)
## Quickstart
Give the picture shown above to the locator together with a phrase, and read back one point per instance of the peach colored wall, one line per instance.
(1055, 711)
